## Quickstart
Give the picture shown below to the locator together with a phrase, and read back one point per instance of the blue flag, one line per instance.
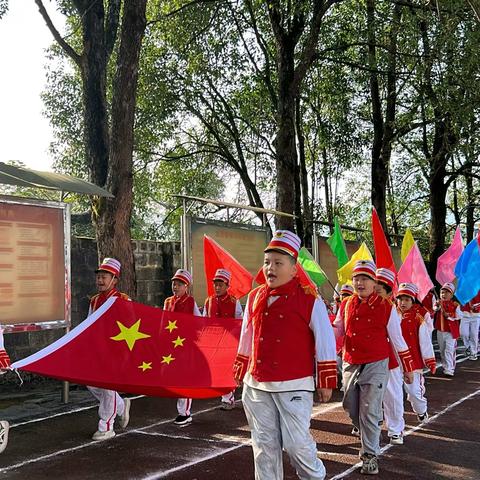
(467, 272)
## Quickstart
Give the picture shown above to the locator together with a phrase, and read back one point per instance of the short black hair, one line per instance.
(388, 288)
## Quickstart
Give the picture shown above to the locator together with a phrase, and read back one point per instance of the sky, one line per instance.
(25, 133)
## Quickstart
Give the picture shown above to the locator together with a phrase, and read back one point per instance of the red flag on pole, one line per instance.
(216, 257)
(130, 347)
(383, 253)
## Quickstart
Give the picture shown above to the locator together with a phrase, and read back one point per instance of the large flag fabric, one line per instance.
(216, 257)
(383, 253)
(413, 270)
(130, 347)
(407, 244)
(447, 261)
(313, 269)
(345, 273)
(337, 245)
(467, 272)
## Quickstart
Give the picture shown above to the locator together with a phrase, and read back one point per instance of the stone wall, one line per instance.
(155, 263)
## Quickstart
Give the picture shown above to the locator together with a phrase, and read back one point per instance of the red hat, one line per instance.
(448, 286)
(222, 275)
(408, 289)
(346, 289)
(285, 242)
(365, 267)
(110, 265)
(183, 275)
(386, 276)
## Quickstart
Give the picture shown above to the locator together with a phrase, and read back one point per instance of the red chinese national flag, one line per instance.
(216, 257)
(383, 253)
(130, 347)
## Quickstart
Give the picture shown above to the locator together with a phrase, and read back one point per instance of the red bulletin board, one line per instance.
(34, 263)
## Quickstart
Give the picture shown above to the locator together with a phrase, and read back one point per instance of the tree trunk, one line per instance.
(113, 225)
(470, 219)
(286, 152)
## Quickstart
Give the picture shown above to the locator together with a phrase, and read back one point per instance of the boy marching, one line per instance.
(111, 404)
(368, 322)
(182, 302)
(416, 333)
(285, 332)
(223, 305)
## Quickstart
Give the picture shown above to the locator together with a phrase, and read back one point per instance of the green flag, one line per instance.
(337, 244)
(313, 269)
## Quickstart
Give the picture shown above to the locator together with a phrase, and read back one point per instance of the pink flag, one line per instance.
(414, 270)
(447, 261)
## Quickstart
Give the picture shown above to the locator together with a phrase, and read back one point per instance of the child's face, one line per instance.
(105, 281)
(381, 290)
(220, 288)
(404, 302)
(278, 268)
(364, 286)
(446, 294)
(179, 288)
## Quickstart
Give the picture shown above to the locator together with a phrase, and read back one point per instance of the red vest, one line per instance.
(448, 309)
(100, 298)
(283, 343)
(366, 337)
(473, 306)
(411, 321)
(184, 304)
(223, 306)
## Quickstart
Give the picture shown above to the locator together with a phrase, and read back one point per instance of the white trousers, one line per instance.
(447, 346)
(469, 333)
(281, 420)
(185, 404)
(416, 393)
(111, 404)
(393, 403)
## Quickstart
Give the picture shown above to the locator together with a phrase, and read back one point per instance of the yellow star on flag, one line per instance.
(130, 335)
(178, 342)
(145, 366)
(171, 326)
(168, 359)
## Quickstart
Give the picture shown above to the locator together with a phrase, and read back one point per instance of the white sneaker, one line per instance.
(98, 435)
(4, 428)
(472, 357)
(396, 439)
(125, 417)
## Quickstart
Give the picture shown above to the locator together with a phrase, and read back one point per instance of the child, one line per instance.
(393, 409)
(285, 332)
(469, 326)
(226, 306)
(107, 275)
(417, 335)
(4, 366)
(447, 319)
(182, 302)
(368, 321)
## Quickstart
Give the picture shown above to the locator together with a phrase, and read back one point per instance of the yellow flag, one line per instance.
(345, 273)
(407, 244)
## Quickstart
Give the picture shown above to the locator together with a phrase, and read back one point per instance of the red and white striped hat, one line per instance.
(286, 242)
(365, 267)
(184, 276)
(448, 286)
(346, 289)
(110, 265)
(386, 276)
(222, 275)
(408, 289)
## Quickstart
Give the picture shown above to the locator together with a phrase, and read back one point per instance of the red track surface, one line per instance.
(216, 444)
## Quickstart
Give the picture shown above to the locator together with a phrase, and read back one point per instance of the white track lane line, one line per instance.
(92, 442)
(408, 432)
